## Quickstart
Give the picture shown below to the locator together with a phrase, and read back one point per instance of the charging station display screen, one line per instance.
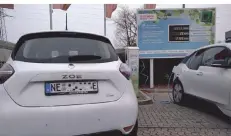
(178, 33)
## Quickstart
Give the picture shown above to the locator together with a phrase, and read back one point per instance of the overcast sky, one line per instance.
(83, 18)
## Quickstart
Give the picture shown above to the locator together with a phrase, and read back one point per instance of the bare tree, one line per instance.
(126, 28)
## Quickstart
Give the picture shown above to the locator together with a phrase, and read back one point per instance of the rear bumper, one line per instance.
(108, 133)
(66, 120)
(225, 109)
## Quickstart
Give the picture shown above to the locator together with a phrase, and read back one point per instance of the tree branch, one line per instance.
(126, 28)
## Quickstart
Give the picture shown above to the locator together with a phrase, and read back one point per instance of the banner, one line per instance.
(110, 8)
(174, 33)
(149, 6)
(61, 6)
(8, 6)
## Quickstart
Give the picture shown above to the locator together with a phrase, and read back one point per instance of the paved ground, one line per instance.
(164, 118)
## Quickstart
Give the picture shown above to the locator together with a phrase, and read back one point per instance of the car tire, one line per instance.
(134, 131)
(229, 120)
(178, 92)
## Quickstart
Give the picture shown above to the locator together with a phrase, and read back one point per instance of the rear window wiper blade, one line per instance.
(83, 57)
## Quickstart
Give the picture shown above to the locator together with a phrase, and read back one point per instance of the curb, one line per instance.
(147, 100)
(162, 91)
(156, 91)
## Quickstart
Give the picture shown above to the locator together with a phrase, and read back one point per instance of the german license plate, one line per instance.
(78, 87)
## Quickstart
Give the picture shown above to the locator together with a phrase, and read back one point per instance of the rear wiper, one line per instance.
(83, 57)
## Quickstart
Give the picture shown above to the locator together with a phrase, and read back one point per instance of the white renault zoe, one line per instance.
(205, 74)
(66, 84)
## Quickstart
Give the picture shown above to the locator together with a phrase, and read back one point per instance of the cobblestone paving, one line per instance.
(168, 119)
(183, 132)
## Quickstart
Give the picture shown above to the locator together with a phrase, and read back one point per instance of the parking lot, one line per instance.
(196, 117)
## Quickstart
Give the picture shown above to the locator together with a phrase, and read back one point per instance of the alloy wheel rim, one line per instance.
(177, 93)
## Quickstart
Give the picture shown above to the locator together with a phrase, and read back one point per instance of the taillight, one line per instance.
(6, 71)
(125, 71)
(128, 128)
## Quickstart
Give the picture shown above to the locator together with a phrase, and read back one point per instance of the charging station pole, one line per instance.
(151, 73)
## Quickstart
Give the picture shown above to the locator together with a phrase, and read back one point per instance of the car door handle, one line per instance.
(199, 73)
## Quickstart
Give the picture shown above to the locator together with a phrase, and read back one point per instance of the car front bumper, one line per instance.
(66, 120)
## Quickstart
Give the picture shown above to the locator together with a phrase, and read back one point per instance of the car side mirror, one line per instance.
(221, 64)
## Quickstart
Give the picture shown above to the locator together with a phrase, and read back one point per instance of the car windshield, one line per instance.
(65, 50)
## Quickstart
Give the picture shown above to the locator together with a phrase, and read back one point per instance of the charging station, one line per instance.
(132, 55)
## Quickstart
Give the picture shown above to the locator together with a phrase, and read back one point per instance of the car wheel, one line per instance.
(178, 92)
(134, 131)
(229, 120)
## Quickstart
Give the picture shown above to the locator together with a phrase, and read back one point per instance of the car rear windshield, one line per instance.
(65, 50)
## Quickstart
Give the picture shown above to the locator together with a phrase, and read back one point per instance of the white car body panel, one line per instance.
(26, 111)
(66, 120)
(217, 87)
(209, 83)
(32, 93)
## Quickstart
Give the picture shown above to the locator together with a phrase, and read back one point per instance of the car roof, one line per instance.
(64, 31)
(52, 33)
(228, 45)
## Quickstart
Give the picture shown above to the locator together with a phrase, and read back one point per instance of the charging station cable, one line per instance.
(169, 89)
